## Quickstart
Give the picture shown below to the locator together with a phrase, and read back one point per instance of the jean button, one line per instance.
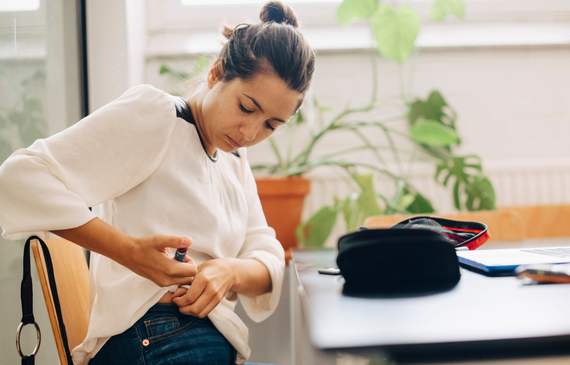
(145, 342)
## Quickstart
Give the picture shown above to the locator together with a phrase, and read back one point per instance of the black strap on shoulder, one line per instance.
(183, 109)
(26, 296)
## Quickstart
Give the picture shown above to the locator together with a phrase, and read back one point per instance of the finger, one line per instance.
(178, 242)
(193, 293)
(181, 272)
(186, 270)
(209, 308)
(179, 292)
(204, 305)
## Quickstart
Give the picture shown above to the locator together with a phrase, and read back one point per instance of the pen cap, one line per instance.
(180, 254)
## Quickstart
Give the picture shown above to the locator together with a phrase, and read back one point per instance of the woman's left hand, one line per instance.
(210, 285)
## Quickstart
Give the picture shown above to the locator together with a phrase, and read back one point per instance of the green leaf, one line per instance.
(351, 211)
(432, 108)
(355, 9)
(486, 193)
(315, 231)
(367, 200)
(420, 205)
(395, 31)
(165, 69)
(456, 199)
(471, 190)
(441, 8)
(406, 200)
(433, 133)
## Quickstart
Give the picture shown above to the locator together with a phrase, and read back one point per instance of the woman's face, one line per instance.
(242, 113)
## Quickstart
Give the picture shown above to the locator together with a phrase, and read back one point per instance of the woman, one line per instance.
(164, 173)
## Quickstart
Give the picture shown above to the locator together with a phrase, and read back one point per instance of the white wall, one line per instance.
(513, 102)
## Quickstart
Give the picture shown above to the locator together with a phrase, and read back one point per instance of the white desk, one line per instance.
(482, 317)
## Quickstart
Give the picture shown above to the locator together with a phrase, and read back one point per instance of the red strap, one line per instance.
(478, 241)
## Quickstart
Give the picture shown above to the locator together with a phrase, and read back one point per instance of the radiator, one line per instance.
(516, 183)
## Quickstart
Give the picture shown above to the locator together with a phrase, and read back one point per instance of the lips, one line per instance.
(233, 143)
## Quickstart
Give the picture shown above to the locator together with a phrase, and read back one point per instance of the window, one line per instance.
(178, 27)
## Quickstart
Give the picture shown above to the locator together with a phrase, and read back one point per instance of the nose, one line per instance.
(249, 130)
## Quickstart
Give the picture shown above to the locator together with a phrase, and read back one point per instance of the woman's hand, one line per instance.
(147, 256)
(151, 259)
(213, 281)
(215, 278)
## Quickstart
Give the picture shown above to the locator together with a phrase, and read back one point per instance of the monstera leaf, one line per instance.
(471, 189)
(433, 108)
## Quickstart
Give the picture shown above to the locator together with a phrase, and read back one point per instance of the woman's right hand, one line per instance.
(151, 259)
(147, 256)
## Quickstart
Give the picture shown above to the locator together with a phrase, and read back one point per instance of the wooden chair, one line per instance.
(542, 221)
(503, 224)
(72, 279)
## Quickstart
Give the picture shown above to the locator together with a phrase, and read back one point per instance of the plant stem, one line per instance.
(275, 148)
(369, 145)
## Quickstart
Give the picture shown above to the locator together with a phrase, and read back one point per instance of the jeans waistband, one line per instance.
(164, 308)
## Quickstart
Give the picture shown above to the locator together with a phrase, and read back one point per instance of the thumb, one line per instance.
(181, 242)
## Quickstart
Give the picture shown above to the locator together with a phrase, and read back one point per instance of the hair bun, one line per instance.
(276, 11)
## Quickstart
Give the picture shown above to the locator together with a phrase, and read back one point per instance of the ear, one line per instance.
(215, 73)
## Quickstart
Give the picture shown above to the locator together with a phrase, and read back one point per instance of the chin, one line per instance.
(228, 148)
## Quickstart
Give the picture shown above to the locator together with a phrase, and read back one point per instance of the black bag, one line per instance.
(415, 257)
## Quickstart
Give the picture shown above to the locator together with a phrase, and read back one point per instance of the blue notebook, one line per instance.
(505, 261)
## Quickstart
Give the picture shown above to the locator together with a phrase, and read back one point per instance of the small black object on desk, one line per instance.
(396, 262)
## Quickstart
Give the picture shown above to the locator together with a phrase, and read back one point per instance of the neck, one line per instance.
(195, 102)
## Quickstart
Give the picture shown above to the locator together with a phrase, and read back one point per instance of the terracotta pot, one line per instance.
(282, 199)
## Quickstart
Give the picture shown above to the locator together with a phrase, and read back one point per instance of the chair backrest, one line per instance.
(545, 220)
(72, 279)
(503, 224)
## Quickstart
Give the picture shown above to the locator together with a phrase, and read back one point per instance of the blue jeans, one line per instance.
(165, 336)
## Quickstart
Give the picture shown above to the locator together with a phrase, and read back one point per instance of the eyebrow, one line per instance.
(261, 109)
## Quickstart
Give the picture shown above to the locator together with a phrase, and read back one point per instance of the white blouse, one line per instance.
(145, 171)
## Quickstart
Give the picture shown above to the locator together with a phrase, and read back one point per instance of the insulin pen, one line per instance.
(178, 256)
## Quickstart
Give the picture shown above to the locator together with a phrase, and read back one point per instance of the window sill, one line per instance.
(333, 39)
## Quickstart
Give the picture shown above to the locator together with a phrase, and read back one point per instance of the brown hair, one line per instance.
(273, 46)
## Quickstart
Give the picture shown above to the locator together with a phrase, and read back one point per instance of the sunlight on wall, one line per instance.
(19, 5)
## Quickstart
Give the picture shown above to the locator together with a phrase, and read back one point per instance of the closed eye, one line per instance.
(245, 110)
(269, 126)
